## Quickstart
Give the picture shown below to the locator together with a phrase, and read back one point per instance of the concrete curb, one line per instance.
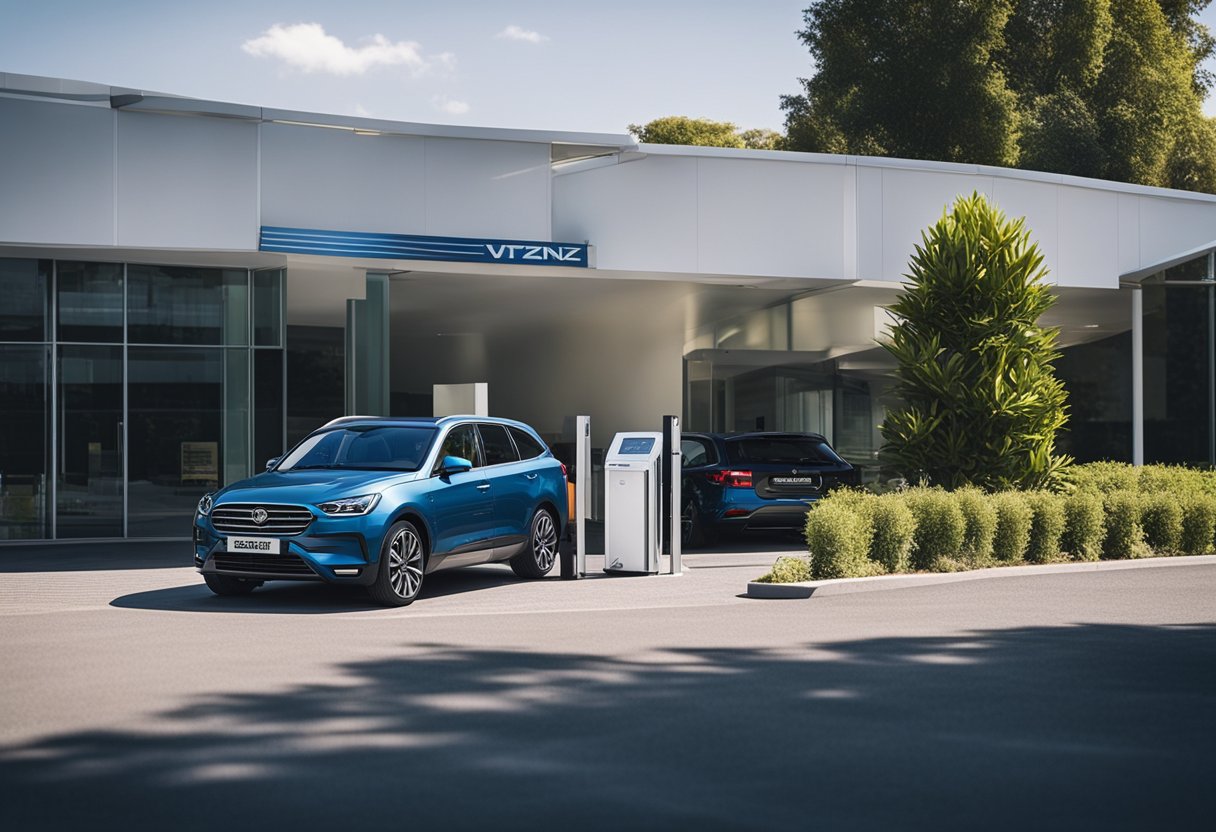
(849, 586)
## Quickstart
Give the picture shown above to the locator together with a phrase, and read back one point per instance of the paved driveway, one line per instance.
(133, 698)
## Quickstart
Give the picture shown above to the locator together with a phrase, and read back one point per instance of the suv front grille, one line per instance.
(237, 518)
(262, 565)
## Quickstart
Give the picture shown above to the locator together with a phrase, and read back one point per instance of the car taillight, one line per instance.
(731, 479)
(564, 469)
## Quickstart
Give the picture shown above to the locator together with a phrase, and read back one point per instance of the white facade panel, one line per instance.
(869, 223)
(1089, 248)
(479, 188)
(187, 182)
(781, 219)
(912, 200)
(56, 173)
(1039, 204)
(1170, 226)
(338, 180)
(639, 215)
(1129, 233)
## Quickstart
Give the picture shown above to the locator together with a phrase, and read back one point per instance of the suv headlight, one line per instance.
(204, 505)
(350, 506)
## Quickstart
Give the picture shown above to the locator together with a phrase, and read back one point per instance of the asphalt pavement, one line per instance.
(131, 698)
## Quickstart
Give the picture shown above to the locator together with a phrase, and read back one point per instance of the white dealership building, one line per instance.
(189, 285)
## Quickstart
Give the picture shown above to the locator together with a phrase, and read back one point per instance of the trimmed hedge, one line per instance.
(1161, 517)
(838, 539)
(979, 516)
(940, 526)
(1198, 524)
(894, 536)
(1046, 526)
(1084, 526)
(1013, 519)
(787, 570)
(1124, 532)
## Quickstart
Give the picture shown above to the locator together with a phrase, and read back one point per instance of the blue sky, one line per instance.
(548, 65)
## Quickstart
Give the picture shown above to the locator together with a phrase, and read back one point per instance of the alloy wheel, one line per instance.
(544, 541)
(405, 564)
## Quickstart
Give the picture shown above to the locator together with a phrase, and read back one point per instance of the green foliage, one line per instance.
(761, 138)
(940, 526)
(909, 79)
(1046, 526)
(787, 570)
(894, 527)
(1104, 477)
(1124, 532)
(1161, 517)
(1106, 88)
(1083, 526)
(838, 540)
(1198, 525)
(1013, 520)
(980, 518)
(700, 132)
(980, 402)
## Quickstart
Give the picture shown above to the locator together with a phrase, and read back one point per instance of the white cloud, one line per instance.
(514, 32)
(451, 106)
(307, 47)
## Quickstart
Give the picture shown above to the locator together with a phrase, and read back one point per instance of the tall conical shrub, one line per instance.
(980, 402)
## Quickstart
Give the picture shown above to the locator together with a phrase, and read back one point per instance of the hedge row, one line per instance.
(1113, 511)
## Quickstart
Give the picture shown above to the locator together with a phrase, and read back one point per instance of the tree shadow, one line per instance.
(1090, 726)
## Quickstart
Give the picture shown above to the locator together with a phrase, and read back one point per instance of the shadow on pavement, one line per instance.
(1088, 726)
(89, 557)
(306, 597)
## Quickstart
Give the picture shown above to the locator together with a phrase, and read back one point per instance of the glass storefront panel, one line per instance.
(181, 305)
(268, 406)
(24, 441)
(25, 286)
(1177, 373)
(175, 401)
(315, 379)
(268, 308)
(90, 301)
(89, 479)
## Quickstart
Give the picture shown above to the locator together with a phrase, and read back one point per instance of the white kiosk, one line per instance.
(633, 521)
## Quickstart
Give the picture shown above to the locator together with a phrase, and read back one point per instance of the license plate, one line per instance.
(795, 481)
(255, 545)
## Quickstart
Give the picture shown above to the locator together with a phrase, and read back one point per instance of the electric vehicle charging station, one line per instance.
(642, 473)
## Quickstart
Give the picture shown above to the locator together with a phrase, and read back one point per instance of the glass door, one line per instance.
(89, 501)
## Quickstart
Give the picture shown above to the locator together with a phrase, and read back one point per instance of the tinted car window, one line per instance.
(787, 450)
(695, 451)
(372, 448)
(529, 448)
(497, 444)
(461, 441)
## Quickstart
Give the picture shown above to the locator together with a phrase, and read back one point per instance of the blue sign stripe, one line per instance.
(415, 247)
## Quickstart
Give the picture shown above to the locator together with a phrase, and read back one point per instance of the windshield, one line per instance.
(363, 448)
(781, 450)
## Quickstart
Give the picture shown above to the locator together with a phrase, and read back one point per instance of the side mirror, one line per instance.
(455, 465)
(270, 463)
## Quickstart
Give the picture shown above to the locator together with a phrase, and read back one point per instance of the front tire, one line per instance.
(402, 566)
(227, 585)
(536, 561)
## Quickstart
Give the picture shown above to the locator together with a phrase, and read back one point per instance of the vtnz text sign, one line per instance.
(412, 247)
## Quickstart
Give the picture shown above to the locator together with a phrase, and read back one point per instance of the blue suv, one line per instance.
(382, 502)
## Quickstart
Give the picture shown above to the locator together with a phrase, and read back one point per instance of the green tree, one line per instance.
(683, 130)
(980, 400)
(760, 138)
(914, 78)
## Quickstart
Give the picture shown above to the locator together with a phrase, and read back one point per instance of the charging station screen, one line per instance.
(636, 446)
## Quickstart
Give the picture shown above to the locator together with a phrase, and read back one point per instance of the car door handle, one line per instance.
(531, 476)
(483, 486)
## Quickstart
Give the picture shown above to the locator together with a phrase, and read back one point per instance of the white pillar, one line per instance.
(1137, 376)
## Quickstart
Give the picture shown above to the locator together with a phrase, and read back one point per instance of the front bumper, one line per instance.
(329, 550)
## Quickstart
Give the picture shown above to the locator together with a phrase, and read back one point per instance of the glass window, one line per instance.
(362, 447)
(268, 308)
(183, 305)
(497, 444)
(529, 446)
(315, 379)
(267, 404)
(89, 501)
(90, 301)
(176, 404)
(24, 442)
(782, 450)
(461, 441)
(695, 451)
(25, 287)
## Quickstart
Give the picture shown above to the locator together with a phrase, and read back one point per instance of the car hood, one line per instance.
(311, 486)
